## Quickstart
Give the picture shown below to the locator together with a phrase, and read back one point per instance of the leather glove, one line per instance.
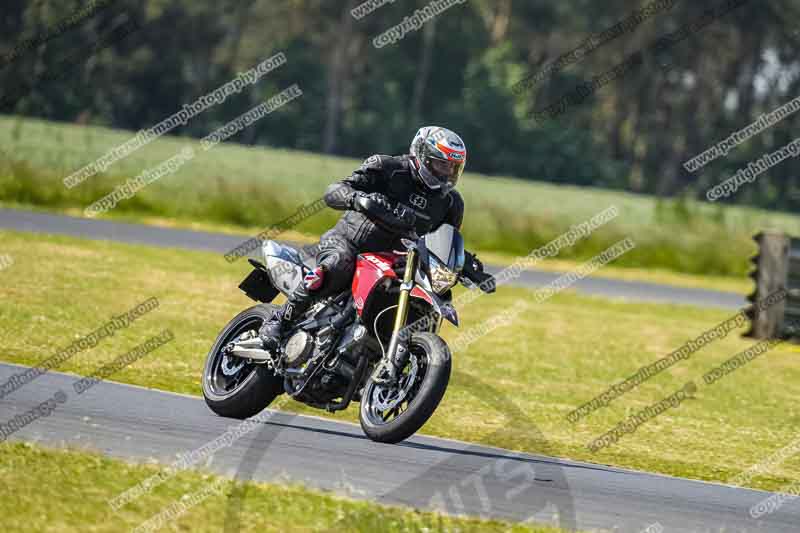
(405, 217)
(367, 203)
(477, 265)
(378, 209)
(472, 263)
(473, 270)
(380, 200)
(488, 284)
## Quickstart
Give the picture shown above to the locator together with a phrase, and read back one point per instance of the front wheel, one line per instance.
(234, 387)
(393, 413)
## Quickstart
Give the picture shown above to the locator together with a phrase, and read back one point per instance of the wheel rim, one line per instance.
(382, 404)
(227, 373)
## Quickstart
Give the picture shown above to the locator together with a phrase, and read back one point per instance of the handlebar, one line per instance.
(402, 221)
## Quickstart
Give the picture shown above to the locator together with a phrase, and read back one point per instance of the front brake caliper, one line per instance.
(400, 359)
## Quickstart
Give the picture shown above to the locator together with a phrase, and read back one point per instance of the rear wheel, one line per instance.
(394, 413)
(233, 387)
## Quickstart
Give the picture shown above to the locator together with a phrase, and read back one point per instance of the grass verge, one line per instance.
(546, 363)
(66, 491)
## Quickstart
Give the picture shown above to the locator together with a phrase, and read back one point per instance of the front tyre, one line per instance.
(233, 387)
(392, 414)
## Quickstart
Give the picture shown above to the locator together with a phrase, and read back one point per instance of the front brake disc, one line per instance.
(386, 398)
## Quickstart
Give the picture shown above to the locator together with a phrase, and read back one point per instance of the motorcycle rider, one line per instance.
(382, 202)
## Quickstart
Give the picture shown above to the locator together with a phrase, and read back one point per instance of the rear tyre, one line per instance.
(232, 387)
(393, 414)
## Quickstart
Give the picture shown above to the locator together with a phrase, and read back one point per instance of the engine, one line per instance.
(321, 358)
(298, 349)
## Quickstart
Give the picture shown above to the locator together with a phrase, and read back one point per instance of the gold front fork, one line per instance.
(402, 303)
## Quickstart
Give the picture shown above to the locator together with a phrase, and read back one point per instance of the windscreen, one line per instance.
(447, 244)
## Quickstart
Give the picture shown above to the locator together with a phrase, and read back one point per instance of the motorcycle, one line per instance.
(376, 344)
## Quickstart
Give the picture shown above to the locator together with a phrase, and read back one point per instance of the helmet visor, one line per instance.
(446, 172)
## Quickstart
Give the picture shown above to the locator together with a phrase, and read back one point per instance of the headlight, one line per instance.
(442, 278)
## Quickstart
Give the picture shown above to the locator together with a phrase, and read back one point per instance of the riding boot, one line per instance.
(274, 329)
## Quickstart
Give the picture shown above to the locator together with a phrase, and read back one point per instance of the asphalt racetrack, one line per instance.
(140, 424)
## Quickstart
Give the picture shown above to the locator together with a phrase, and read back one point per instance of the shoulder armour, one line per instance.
(384, 164)
(374, 163)
(456, 200)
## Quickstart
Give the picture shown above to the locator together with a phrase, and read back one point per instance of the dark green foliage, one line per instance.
(633, 133)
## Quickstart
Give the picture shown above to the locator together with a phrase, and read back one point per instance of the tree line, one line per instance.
(614, 94)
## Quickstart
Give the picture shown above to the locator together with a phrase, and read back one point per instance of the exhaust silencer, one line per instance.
(251, 349)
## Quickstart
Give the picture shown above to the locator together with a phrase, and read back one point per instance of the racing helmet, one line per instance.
(439, 156)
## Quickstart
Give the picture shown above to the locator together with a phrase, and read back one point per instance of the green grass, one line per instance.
(256, 187)
(738, 284)
(68, 491)
(511, 389)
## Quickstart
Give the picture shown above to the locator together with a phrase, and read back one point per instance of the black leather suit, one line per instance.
(355, 232)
